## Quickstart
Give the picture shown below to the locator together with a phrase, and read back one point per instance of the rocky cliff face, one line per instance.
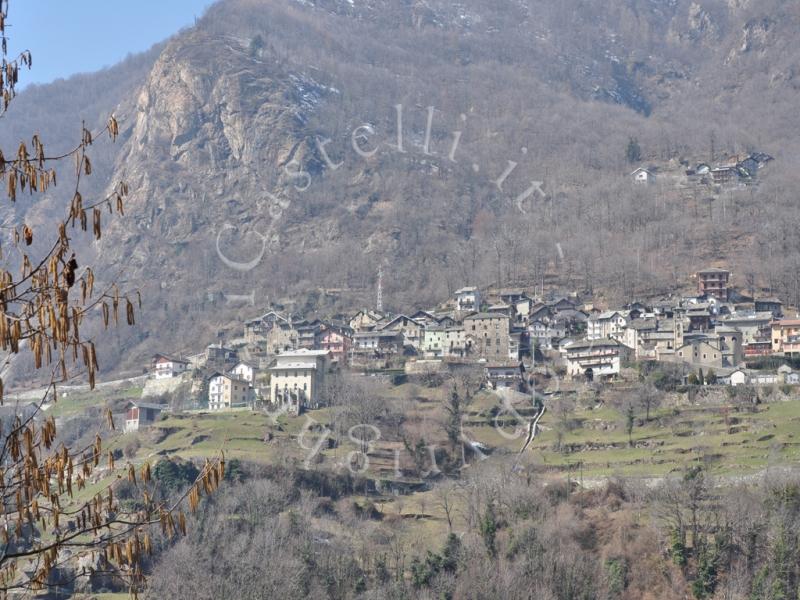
(263, 155)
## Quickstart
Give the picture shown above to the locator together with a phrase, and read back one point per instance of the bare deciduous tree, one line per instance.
(51, 518)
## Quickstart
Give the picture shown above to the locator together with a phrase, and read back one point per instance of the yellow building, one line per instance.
(785, 334)
(226, 391)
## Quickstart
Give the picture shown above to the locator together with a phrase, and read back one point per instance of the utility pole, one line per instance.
(379, 303)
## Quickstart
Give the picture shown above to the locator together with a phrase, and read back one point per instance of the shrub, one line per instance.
(617, 575)
(132, 447)
(174, 475)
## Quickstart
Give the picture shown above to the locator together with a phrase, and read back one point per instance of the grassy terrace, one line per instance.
(728, 442)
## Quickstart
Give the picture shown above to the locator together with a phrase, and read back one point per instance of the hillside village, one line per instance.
(715, 335)
(736, 170)
(517, 338)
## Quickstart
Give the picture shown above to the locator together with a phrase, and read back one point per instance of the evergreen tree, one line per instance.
(489, 529)
(633, 152)
(629, 424)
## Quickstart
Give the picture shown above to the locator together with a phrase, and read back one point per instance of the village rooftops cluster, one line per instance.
(735, 170)
(283, 360)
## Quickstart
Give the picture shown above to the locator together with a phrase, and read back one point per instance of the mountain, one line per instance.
(265, 163)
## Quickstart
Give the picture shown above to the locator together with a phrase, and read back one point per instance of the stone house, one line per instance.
(487, 336)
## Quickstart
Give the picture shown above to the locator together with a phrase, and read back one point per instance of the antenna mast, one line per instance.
(379, 303)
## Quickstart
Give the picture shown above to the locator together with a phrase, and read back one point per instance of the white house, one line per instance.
(764, 379)
(609, 324)
(503, 375)
(739, 377)
(245, 371)
(468, 298)
(543, 334)
(642, 175)
(166, 367)
(433, 342)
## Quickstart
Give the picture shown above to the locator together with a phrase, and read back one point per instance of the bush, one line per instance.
(617, 575)
(173, 475)
(234, 471)
(664, 376)
(423, 572)
(677, 548)
(132, 447)
(256, 45)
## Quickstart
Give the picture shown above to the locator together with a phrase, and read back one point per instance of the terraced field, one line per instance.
(726, 440)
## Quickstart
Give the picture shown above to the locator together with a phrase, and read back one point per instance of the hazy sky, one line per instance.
(68, 37)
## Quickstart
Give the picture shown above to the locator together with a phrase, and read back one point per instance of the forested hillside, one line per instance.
(273, 126)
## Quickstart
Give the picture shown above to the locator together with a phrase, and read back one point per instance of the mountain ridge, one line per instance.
(224, 148)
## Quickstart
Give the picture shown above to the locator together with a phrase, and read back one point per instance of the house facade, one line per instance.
(701, 352)
(713, 282)
(543, 334)
(365, 320)
(596, 359)
(141, 414)
(642, 175)
(246, 372)
(297, 379)
(487, 336)
(609, 324)
(167, 367)
(433, 342)
(502, 375)
(754, 326)
(731, 343)
(227, 391)
(256, 330)
(380, 343)
(774, 306)
(282, 337)
(410, 329)
(455, 341)
(468, 299)
(337, 342)
(219, 356)
(785, 333)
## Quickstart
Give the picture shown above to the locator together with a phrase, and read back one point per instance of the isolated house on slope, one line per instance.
(166, 367)
(141, 414)
(642, 175)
